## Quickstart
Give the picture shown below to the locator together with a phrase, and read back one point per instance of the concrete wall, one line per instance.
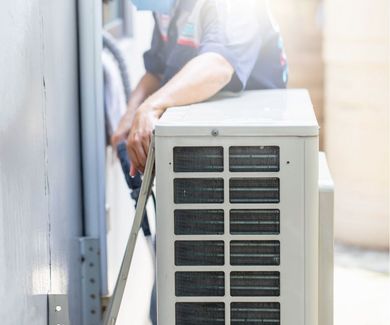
(40, 190)
(356, 52)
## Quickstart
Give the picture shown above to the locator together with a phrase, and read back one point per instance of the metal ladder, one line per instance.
(111, 314)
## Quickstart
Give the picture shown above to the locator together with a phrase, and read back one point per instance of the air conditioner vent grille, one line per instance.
(200, 313)
(200, 284)
(199, 253)
(199, 222)
(198, 190)
(254, 190)
(254, 284)
(197, 159)
(255, 222)
(203, 283)
(255, 313)
(263, 252)
(254, 159)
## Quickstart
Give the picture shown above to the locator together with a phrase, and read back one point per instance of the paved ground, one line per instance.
(362, 288)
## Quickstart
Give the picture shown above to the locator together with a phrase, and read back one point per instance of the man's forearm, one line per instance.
(148, 85)
(200, 79)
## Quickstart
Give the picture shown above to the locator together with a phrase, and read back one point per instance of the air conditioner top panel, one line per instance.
(252, 113)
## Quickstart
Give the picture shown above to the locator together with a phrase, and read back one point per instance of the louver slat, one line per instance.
(254, 222)
(254, 190)
(255, 252)
(199, 253)
(254, 284)
(255, 313)
(200, 284)
(197, 159)
(198, 190)
(199, 222)
(200, 313)
(254, 159)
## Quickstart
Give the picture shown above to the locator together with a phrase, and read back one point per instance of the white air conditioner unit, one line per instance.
(238, 238)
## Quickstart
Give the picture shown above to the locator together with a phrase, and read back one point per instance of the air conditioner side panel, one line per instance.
(311, 230)
(326, 243)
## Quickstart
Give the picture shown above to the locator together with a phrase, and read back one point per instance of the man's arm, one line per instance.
(148, 84)
(200, 79)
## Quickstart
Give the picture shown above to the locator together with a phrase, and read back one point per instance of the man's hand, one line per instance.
(135, 128)
(140, 136)
(122, 132)
(148, 85)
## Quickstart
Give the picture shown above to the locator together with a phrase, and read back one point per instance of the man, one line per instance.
(200, 47)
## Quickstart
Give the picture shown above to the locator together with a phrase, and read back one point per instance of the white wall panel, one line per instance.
(40, 194)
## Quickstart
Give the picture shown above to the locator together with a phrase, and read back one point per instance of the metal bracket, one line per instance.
(58, 309)
(90, 281)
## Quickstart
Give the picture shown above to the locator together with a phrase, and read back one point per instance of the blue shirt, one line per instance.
(243, 32)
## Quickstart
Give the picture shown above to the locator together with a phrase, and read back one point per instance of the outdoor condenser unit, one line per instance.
(238, 238)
